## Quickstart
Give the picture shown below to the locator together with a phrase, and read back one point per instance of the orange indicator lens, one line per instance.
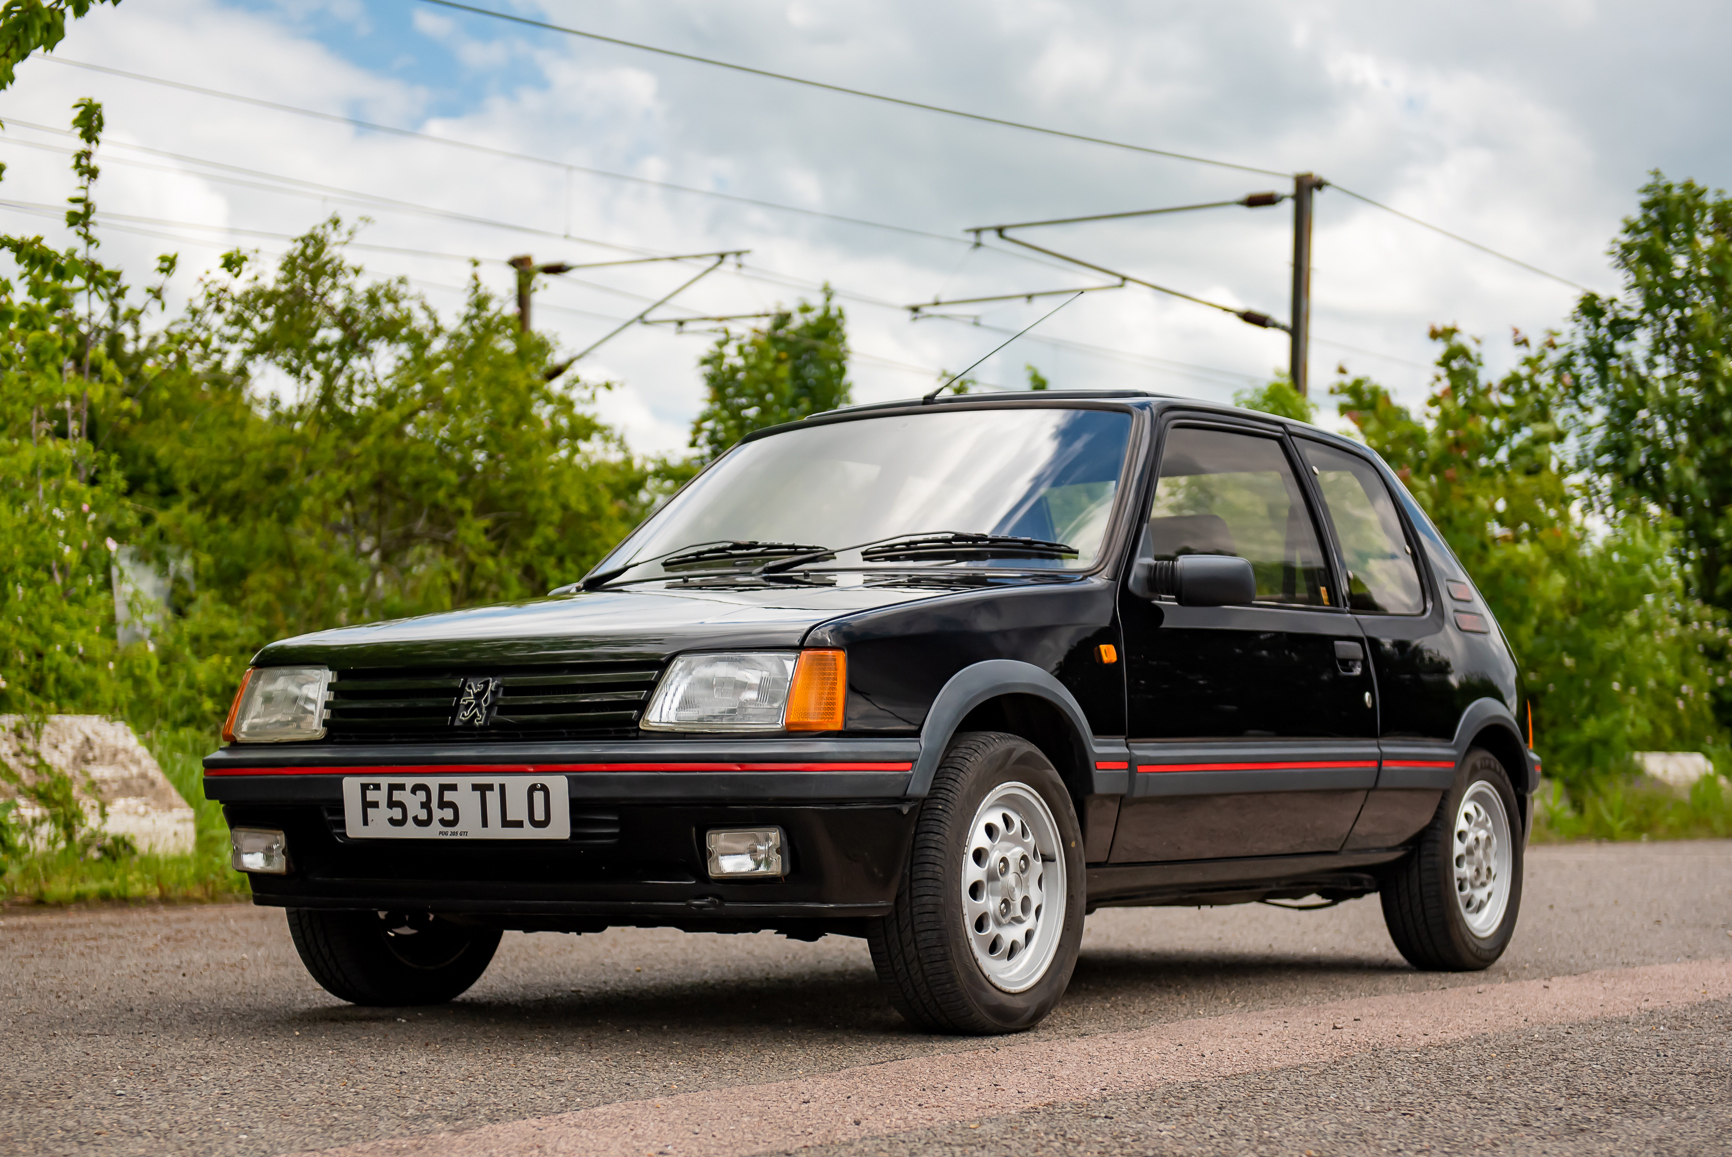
(1107, 653)
(818, 699)
(234, 708)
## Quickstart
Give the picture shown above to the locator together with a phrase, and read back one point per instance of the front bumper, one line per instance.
(636, 854)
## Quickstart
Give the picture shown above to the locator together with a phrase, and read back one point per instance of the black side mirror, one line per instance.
(1196, 580)
(1216, 580)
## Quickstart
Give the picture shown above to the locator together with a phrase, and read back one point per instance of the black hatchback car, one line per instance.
(945, 675)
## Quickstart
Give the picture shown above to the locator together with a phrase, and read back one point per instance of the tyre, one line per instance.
(989, 914)
(1451, 906)
(380, 958)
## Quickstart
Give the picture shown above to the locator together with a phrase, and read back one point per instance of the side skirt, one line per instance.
(1242, 881)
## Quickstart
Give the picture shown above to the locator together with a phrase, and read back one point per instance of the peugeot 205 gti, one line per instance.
(945, 675)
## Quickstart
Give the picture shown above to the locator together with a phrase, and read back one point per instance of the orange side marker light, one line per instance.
(1530, 724)
(818, 699)
(1107, 653)
(235, 707)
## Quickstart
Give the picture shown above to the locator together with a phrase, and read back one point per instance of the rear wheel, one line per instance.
(989, 916)
(386, 958)
(1451, 906)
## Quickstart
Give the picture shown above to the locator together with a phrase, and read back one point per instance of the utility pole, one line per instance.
(1304, 185)
(526, 271)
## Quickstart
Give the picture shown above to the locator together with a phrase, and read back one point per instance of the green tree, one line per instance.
(327, 450)
(1036, 379)
(1611, 644)
(1653, 371)
(29, 25)
(1278, 397)
(791, 368)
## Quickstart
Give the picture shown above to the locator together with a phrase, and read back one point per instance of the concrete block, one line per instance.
(1678, 769)
(109, 768)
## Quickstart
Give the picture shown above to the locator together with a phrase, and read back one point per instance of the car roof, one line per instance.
(1142, 399)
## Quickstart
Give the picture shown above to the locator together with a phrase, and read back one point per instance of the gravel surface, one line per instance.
(196, 1029)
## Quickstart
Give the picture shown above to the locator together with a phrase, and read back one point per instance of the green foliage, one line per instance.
(29, 25)
(394, 464)
(1654, 371)
(790, 369)
(1619, 809)
(1036, 379)
(1611, 646)
(1280, 398)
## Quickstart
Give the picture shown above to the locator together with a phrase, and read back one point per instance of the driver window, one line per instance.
(1226, 493)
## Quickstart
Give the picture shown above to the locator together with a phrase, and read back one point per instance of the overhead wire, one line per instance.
(1458, 237)
(509, 154)
(1001, 121)
(819, 84)
(300, 186)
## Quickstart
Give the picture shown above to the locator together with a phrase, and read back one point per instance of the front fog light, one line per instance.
(259, 850)
(746, 852)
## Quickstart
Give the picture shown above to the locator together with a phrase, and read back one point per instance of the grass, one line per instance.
(1633, 809)
(68, 876)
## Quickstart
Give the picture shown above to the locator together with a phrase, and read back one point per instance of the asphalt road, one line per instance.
(196, 1030)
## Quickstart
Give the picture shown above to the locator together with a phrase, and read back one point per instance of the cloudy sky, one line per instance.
(1525, 127)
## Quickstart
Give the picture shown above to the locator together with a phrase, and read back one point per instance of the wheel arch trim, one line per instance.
(990, 679)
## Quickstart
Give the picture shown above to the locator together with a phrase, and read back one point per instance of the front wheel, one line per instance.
(989, 915)
(384, 958)
(1451, 906)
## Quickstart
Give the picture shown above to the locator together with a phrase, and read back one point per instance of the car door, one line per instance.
(1404, 631)
(1252, 727)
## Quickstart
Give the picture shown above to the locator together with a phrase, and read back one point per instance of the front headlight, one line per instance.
(737, 691)
(752, 691)
(279, 705)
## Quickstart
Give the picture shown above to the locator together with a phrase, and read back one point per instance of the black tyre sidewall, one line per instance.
(1480, 765)
(1011, 760)
(351, 955)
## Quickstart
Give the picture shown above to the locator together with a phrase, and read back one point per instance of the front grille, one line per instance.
(565, 701)
(590, 828)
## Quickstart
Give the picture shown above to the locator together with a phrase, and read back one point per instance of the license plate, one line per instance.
(466, 807)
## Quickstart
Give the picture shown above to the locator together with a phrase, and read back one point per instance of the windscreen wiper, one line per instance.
(726, 551)
(718, 550)
(955, 544)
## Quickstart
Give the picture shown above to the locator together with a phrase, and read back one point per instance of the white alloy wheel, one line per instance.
(1013, 887)
(1483, 858)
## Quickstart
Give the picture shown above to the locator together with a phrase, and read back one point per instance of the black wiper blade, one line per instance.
(726, 551)
(602, 577)
(943, 544)
(959, 544)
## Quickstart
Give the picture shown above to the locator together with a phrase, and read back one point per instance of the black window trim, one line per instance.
(1295, 462)
(1414, 548)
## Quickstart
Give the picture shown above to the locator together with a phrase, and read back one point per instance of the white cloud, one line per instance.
(1525, 127)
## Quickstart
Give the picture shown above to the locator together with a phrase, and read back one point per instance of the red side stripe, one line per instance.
(1158, 767)
(1419, 763)
(1120, 766)
(552, 768)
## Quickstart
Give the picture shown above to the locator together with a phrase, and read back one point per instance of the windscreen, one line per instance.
(1045, 474)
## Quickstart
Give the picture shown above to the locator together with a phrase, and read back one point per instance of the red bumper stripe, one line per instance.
(1158, 767)
(1419, 763)
(1121, 766)
(552, 768)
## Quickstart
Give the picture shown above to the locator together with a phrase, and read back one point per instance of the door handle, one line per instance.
(1349, 657)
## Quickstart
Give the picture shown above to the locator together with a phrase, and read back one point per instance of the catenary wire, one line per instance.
(410, 133)
(596, 36)
(356, 122)
(1458, 237)
(375, 201)
(896, 100)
